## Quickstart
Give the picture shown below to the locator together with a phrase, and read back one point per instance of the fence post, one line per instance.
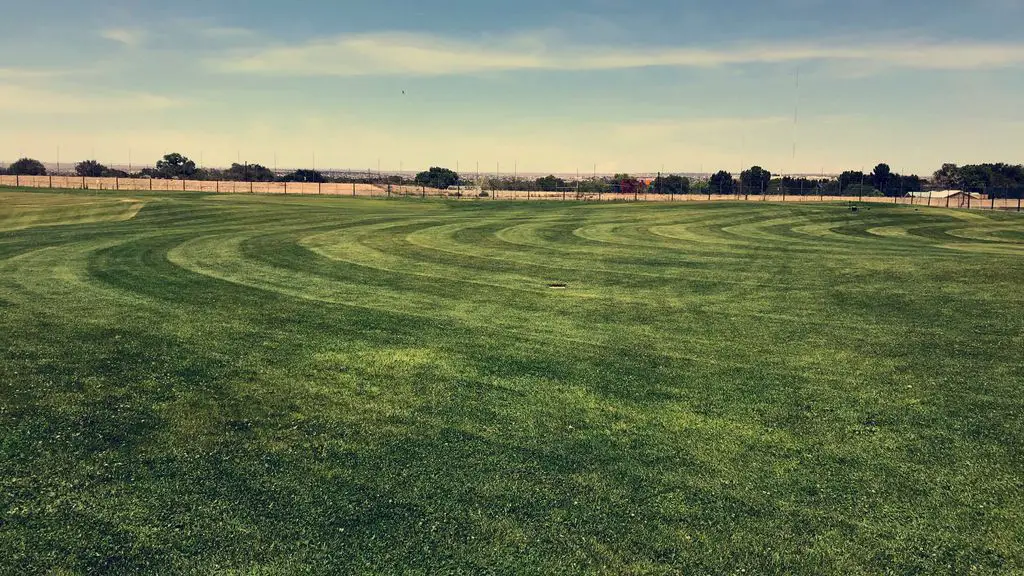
(993, 202)
(216, 186)
(150, 183)
(84, 187)
(947, 200)
(929, 198)
(17, 179)
(319, 188)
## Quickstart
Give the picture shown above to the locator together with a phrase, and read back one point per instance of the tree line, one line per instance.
(881, 181)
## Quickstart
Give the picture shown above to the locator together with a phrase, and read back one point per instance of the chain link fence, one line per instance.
(370, 185)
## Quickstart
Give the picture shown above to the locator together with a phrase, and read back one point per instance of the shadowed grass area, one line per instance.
(302, 385)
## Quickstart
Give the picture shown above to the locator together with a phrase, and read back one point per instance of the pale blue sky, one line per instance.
(626, 85)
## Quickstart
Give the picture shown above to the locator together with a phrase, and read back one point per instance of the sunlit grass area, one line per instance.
(267, 385)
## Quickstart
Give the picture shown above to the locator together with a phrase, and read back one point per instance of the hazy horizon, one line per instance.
(587, 85)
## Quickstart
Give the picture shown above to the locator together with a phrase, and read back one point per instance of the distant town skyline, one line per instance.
(803, 87)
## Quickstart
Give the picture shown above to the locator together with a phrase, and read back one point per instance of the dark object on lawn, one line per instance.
(853, 209)
(557, 286)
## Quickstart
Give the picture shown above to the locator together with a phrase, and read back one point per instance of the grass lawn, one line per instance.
(268, 385)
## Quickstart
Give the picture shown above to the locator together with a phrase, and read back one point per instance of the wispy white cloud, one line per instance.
(31, 100)
(124, 36)
(428, 55)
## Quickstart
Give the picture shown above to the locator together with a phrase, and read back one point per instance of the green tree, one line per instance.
(626, 184)
(595, 186)
(755, 180)
(249, 173)
(849, 178)
(27, 167)
(796, 186)
(912, 183)
(859, 189)
(551, 183)
(91, 169)
(882, 177)
(948, 177)
(175, 166)
(303, 176)
(672, 184)
(721, 182)
(209, 174)
(436, 177)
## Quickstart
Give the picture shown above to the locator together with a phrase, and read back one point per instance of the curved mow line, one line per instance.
(538, 280)
(531, 335)
(705, 277)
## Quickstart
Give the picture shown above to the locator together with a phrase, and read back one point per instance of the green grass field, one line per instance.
(268, 385)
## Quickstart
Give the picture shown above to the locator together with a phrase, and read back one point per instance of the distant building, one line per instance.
(947, 197)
